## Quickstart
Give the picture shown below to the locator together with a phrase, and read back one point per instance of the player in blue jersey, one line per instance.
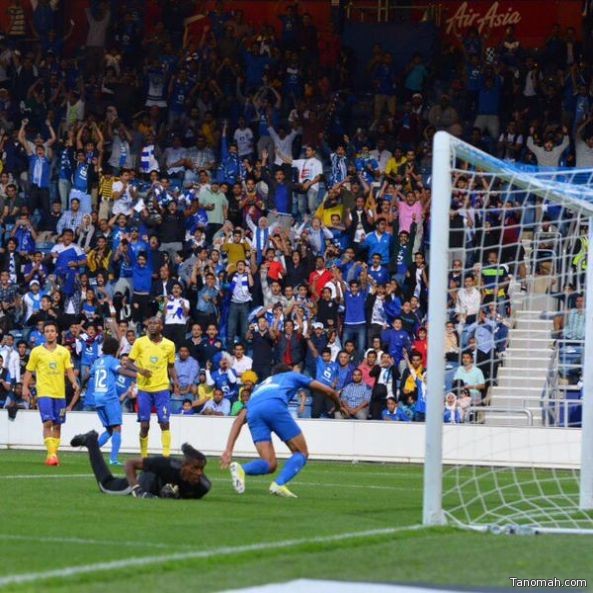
(104, 374)
(267, 413)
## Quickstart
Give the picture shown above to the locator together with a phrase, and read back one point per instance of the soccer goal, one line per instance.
(509, 427)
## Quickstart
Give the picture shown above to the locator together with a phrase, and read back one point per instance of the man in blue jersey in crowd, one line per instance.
(123, 386)
(68, 258)
(267, 412)
(104, 374)
(83, 178)
(326, 372)
(89, 347)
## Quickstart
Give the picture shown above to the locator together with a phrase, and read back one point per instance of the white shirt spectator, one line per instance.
(241, 365)
(124, 346)
(175, 311)
(283, 145)
(123, 205)
(308, 169)
(468, 301)
(244, 139)
(224, 407)
(241, 291)
(173, 155)
(11, 362)
(382, 157)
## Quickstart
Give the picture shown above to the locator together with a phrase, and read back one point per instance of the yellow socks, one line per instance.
(50, 446)
(143, 446)
(166, 442)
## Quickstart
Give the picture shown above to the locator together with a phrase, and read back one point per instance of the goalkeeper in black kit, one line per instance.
(159, 477)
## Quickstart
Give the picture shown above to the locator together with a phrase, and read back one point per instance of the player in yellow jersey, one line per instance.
(153, 356)
(50, 362)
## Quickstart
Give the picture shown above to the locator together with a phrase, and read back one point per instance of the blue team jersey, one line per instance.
(421, 401)
(80, 178)
(327, 372)
(90, 351)
(180, 95)
(122, 384)
(283, 387)
(65, 255)
(104, 375)
(65, 164)
(89, 396)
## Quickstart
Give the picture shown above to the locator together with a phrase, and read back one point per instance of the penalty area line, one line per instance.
(72, 571)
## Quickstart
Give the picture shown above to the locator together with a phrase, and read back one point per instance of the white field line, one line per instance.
(44, 476)
(223, 480)
(89, 542)
(72, 571)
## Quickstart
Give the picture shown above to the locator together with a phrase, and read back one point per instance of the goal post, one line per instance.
(586, 478)
(524, 237)
(437, 315)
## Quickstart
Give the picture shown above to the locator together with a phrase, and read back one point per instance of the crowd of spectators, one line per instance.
(265, 198)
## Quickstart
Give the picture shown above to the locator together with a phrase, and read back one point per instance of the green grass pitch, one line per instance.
(60, 520)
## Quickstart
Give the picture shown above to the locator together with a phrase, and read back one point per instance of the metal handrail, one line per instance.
(521, 411)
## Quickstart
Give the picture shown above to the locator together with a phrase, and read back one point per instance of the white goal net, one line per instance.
(508, 412)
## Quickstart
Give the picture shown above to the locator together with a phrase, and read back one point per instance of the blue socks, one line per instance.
(115, 445)
(104, 438)
(291, 468)
(259, 467)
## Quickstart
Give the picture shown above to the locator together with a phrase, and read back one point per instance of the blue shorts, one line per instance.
(269, 417)
(52, 409)
(110, 414)
(161, 400)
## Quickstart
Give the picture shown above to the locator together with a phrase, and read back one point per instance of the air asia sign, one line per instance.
(466, 17)
(532, 19)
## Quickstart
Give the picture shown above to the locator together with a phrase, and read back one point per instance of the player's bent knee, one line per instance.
(304, 457)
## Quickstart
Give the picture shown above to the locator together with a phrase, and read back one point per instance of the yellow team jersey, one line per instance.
(156, 357)
(49, 367)
(205, 391)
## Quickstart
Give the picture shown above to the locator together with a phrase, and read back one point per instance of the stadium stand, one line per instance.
(266, 187)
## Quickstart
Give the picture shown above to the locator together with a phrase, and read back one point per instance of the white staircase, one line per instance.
(522, 376)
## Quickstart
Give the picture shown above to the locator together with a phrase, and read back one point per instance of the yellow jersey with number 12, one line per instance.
(50, 367)
(156, 357)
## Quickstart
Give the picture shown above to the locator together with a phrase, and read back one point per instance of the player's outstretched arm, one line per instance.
(227, 455)
(131, 365)
(124, 371)
(327, 391)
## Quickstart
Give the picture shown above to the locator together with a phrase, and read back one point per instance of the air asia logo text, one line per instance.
(466, 17)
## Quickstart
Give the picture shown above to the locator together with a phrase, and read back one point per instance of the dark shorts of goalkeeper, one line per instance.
(157, 483)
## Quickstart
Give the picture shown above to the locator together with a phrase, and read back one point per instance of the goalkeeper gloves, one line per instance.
(137, 492)
(169, 491)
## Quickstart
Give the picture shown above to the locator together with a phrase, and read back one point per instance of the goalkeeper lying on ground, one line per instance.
(160, 477)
